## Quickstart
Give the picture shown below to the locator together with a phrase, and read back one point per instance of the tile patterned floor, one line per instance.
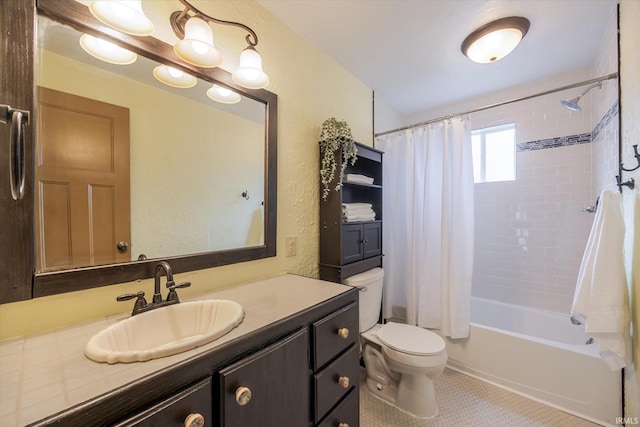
(467, 401)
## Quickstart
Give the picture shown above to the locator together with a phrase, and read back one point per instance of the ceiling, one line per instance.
(408, 51)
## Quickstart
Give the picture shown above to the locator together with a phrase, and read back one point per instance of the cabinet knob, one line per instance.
(243, 395)
(343, 333)
(194, 420)
(344, 382)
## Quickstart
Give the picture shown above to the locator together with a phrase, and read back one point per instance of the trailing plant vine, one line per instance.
(335, 135)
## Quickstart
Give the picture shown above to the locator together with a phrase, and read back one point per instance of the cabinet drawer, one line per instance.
(328, 334)
(270, 387)
(347, 412)
(175, 410)
(327, 383)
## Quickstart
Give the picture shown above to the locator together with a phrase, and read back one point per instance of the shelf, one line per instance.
(362, 184)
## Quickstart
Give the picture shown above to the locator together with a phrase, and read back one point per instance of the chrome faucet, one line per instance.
(168, 271)
(141, 304)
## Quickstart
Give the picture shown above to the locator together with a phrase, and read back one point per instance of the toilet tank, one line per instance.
(370, 286)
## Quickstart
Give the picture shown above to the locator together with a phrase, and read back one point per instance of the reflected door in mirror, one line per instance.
(82, 192)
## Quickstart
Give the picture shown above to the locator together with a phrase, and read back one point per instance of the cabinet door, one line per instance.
(270, 387)
(352, 238)
(372, 234)
(176, 410)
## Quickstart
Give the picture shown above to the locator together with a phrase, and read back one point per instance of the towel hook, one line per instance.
(631, 183)
(637, 156)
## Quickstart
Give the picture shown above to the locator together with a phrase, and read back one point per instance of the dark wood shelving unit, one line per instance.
(349, 248)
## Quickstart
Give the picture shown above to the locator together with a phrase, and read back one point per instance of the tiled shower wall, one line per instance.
(531, 232)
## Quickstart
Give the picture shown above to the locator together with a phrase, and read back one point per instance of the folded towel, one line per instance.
(357, 211)
(601, 299)
(363, 217)
(356, 205)
(354, 177)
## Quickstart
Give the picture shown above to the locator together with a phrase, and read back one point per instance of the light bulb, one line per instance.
(249, 73)
(197, 45)
(106, 51)
(123, 15)
(174, 77)
(494, 46)
(223, 95)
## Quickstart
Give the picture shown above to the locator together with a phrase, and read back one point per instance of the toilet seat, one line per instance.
(410, 339)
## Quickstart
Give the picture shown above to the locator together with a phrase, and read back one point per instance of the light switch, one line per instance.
(290, 245)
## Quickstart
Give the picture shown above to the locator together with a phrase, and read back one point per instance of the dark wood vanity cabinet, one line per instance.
(268, 388)
(349, 248)
(300, 371)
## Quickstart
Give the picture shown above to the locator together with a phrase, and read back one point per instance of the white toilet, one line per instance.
(401, 360)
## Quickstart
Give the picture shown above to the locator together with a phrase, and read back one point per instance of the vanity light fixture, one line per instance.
(123, 15)
(195, 46)
(106, 51)
(249, 74)
(223, 95)
(495, 40)
(174, 77)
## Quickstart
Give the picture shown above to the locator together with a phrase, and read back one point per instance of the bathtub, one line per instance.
(538, 354)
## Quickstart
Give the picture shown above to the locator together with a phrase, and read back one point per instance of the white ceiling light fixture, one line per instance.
(123, 15)
(495, 40)
(223, 95)
(174, 77)
(106, 51)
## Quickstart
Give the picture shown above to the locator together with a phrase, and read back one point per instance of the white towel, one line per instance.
(364, 217)
(356, 205)
(357, 211)
(354, 177)
(601, 299)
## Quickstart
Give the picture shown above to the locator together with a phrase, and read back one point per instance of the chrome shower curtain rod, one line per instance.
(499, 104)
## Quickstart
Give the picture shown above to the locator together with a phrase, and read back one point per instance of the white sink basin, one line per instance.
(164, 331)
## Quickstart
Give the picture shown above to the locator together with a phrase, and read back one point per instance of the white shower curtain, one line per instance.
(428, 225)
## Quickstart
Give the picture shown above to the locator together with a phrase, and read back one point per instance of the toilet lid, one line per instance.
(410, 339)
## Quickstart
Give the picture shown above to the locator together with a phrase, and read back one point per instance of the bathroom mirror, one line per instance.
(201, 174)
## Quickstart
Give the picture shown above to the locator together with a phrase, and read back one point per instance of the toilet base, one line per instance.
(404, 397)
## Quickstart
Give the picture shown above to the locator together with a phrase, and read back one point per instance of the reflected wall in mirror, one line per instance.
(188, 160)
(130, 170)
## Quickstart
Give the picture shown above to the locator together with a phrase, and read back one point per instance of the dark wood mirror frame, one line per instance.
(20, 261)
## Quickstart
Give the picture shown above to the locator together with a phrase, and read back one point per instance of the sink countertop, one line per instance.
(46, 373)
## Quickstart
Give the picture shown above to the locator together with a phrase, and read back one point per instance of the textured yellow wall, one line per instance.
(630, 115)
(311, 87)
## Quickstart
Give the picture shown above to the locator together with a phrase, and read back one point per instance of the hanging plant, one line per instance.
(335, 135)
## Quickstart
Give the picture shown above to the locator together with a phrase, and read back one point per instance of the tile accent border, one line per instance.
(563, 141)
(560, 141)
(609, 115)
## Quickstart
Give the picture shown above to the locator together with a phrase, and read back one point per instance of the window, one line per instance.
(494, 153)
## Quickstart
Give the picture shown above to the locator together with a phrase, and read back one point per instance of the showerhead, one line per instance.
(572, 104)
